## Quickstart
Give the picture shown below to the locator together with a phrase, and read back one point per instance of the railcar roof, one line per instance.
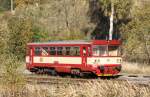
(78, 42)
(61, 42)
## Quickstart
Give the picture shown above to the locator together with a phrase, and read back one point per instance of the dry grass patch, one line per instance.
(103, 88)
(12, 81)
(135, 68)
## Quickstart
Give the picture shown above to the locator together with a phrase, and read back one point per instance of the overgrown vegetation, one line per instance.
(12, 81)
(20, 33)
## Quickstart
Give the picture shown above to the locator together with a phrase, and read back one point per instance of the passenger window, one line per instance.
(59, 50)
(75, 51)
(52, 51)
(37, 51)
(45, 51)
(67, 51)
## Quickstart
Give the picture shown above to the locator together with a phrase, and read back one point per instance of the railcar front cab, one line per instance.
(106, 56)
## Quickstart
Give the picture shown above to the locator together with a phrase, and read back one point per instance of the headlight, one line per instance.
(102, 68)
(118, 68)
(108, 60)
(119, 60)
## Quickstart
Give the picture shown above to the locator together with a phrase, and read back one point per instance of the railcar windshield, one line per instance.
(105, 50)
(100, 50)
(114, 50)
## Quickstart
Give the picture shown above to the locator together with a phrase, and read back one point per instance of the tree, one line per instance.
(112, 14)
(12, 6)
(62, 19)
(25, 2)
(136, 35)
(20, 35)
(4, 5)
(4, 35)
(108, 5)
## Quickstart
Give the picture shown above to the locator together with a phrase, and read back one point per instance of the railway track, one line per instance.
(136, 78)
(55, 80)
(139, 79)
(130, 78)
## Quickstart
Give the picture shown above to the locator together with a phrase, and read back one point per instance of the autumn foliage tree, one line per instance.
(101, 11)
(20, 34)
(136, 36)
(61, 19)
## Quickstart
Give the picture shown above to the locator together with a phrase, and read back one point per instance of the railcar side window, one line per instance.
(59, 50)
(52, 51)
(67, 51)
(75, 51)
(45, 51)
(37, 51)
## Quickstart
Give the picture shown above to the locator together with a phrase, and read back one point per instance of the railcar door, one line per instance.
(31, 55)
(84, 55)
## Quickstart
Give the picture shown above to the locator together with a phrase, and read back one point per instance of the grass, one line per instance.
(135, 68)
(12, 80)
(103, 88)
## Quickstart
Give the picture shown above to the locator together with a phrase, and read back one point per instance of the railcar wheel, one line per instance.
(52, 72)
(33, 70)
(40, 71)
(76, 73)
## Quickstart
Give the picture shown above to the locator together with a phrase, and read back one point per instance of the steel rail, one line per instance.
(144, 81)
(139, 79)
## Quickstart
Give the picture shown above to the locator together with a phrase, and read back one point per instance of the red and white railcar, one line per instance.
(99, 57)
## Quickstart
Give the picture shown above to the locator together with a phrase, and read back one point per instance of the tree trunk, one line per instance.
(111, 21)
(12, 7)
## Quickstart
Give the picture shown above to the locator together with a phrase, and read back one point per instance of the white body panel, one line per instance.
(104, 60)
(60, 60)
(76, 60)
(27, 59)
